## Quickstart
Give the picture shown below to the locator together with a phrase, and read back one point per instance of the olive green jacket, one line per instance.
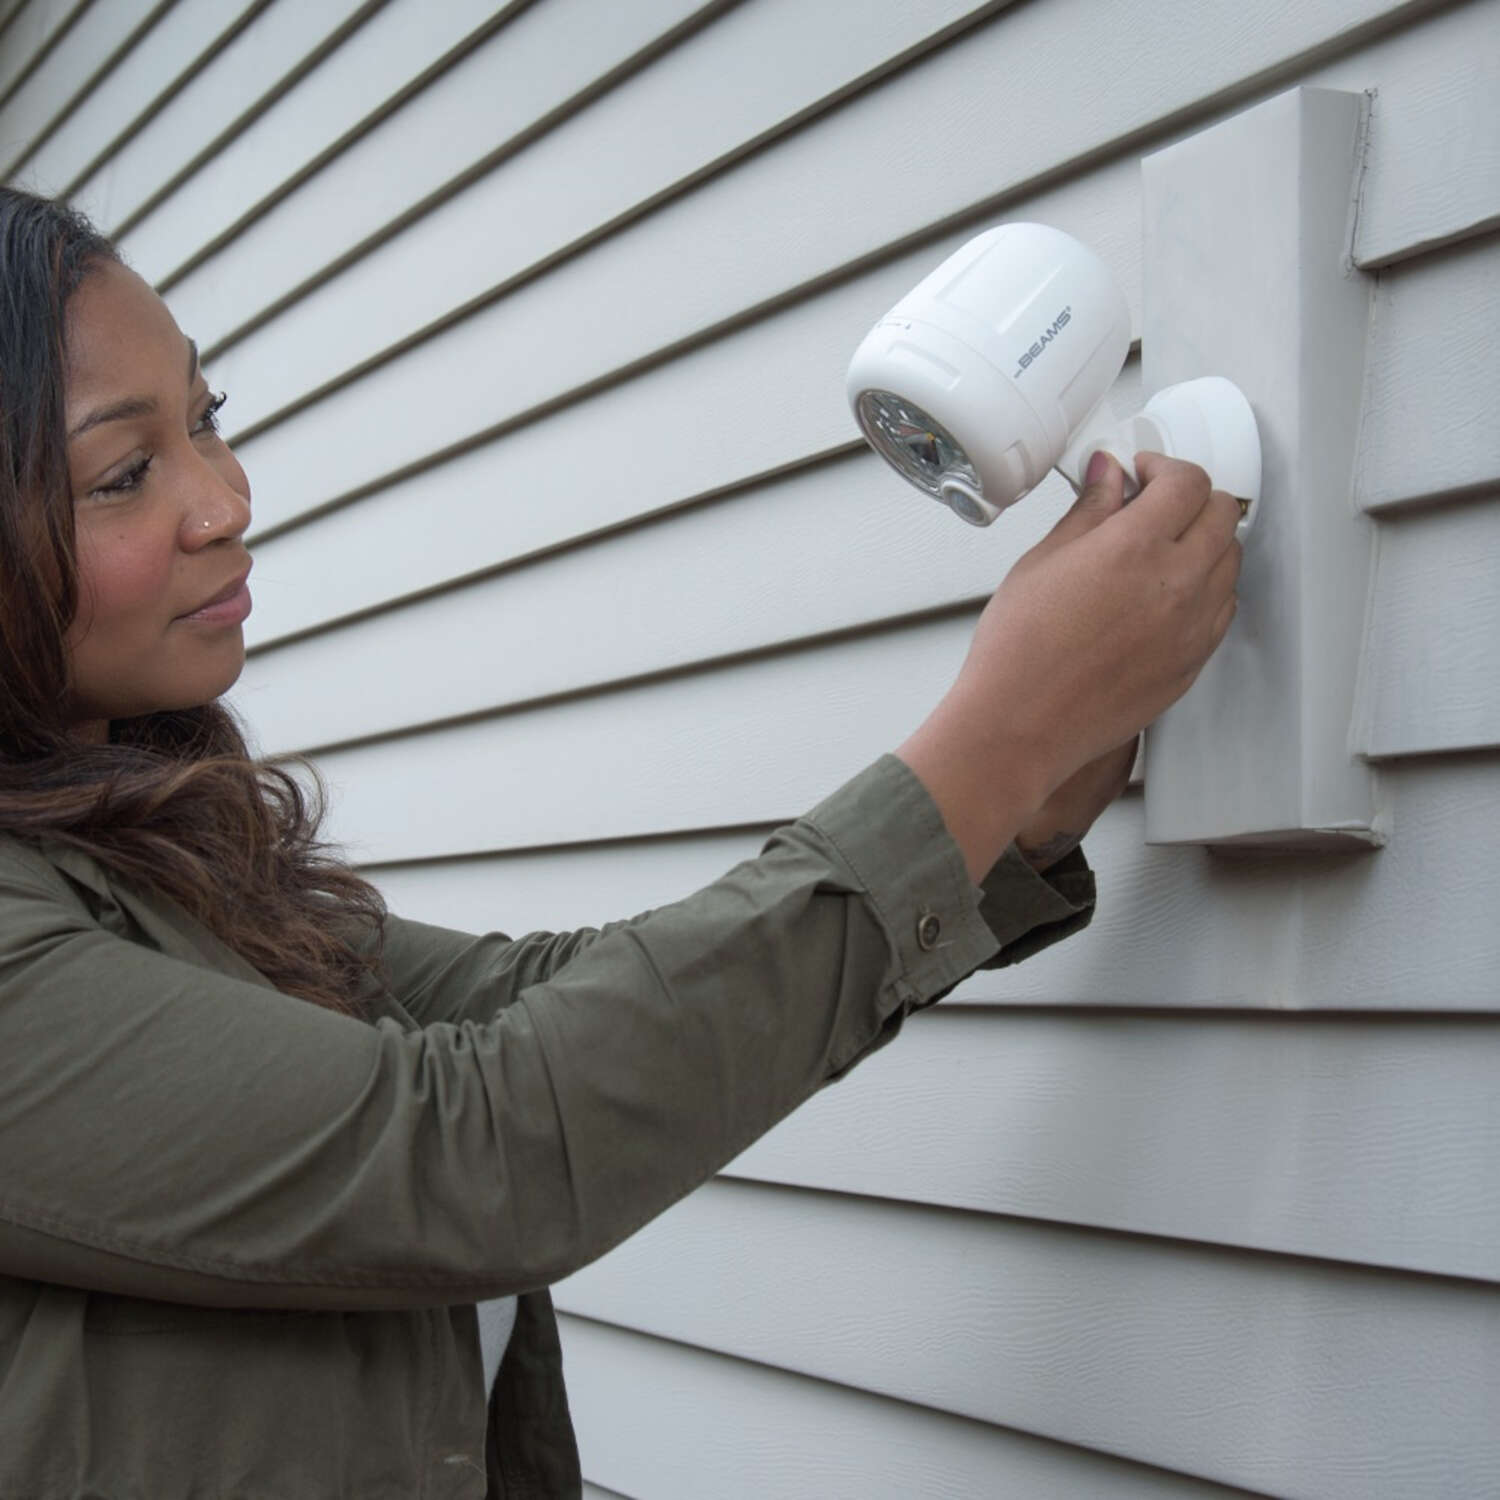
(241, 1236)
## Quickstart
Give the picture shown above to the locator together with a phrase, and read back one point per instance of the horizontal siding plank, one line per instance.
(1408, 928)
(487, 102)
(741, 745)
(624, 149)
(158, 64)
(745, 573)
(1369, 1141)
(1433, 162)
(32, 29)
(66, 74)
(562, 889)
(1429, 681)
(1432, 382)
(1237, 1369)
(678, 1423)
(213, 108)
(679, 430)
(387, 53)
(783, 218)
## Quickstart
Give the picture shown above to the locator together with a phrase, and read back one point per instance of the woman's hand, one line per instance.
(1092, 634)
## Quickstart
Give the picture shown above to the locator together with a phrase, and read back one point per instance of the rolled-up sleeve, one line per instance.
(169, 1131)
(1029, 910)
(943, 926)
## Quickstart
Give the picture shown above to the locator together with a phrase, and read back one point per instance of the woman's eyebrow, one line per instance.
(131, 406)
(118, 411)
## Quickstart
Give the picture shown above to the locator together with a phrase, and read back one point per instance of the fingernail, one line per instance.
(1098, 468)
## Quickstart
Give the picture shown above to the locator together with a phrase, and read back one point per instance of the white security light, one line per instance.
(995, 368)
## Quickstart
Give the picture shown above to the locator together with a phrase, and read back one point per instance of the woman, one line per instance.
(262, 1146)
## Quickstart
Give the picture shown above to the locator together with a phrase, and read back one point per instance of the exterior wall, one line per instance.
(573, 575)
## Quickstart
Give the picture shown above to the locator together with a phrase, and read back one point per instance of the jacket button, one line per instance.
(929, 930)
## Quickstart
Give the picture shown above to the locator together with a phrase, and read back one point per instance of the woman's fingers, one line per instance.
(1206, 555)
(1223, 573)
(1173, 494)
(1223, 621)
(1099, 499)
(1212, 531)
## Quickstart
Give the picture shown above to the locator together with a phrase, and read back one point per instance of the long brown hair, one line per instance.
(173, 803)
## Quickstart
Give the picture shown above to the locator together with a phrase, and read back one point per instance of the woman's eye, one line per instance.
(128, 480)
(124, 482)
(209, 421)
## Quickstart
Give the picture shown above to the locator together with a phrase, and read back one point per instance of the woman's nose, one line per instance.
(219, 509)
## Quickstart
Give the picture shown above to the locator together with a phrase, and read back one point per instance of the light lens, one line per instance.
(920, 449)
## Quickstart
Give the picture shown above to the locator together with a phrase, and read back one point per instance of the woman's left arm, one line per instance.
(438, 974)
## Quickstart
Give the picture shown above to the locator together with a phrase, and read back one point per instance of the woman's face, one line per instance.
(160, 507)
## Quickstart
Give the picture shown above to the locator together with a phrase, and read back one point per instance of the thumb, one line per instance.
(1102, 495)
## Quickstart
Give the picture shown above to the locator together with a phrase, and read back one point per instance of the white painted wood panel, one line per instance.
(1291, 1377)
(388, 53)
(213, 108)
(668, 1420)
(65, 73)
(624, 149)
(1341, 1139)
(1432, 383)
(31, 28)
(777, 223)
(1434, 144)
(157, 64)
(1408, 928)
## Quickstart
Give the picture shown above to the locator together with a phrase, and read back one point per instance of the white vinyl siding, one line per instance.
(29, 30)
(131, 93)
(573, 575)
(68, 72)
(229, 89)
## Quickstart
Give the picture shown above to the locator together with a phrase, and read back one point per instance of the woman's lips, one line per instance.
(230, 606)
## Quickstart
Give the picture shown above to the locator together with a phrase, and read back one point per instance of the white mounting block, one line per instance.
(1248, 275)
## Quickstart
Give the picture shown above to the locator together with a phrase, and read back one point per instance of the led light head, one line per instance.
(972, 383)
(994, 369)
